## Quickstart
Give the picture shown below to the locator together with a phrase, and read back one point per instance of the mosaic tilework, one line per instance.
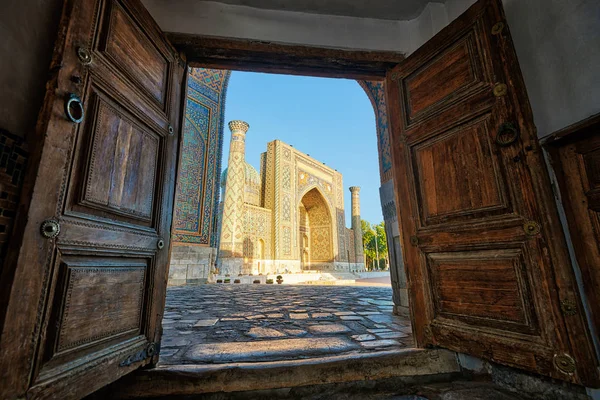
(193, 152)
(286, 179)
(286, 208)
(287, 241)
(257, 227)
(200, 163)
(376, 93)
(341, 225)
(306, 179)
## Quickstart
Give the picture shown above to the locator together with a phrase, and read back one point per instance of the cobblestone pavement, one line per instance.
(223, 323)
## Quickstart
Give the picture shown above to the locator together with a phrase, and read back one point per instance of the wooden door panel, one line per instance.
(456, 72)
(485, 288)
(135, 54)
(122, 166)
(589, 157)
(110, 286)
(575, 156)
(458, 175)
(485, 257)
(96, 288)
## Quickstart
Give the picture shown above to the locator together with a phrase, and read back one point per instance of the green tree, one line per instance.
(374, 245)
(382, 248)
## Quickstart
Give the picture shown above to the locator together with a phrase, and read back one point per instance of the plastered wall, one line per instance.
(558, 45)
(27, 34)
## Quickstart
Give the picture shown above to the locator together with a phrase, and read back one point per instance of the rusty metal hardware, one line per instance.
(50, 228)
(74, 108)
(507, 134)
(531, 228)
(564, 363)
(171, 131)
(160, 244)
(149, 351)
(427, 332)
(84, 55)
(498, 28)
(500, 89)
(395, 76)
(568, 307)
(414, 241)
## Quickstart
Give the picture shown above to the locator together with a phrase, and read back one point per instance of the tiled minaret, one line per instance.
(231, 248)
(356, 225)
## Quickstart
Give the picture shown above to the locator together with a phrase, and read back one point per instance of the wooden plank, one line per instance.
(281, 58)
(575, 157)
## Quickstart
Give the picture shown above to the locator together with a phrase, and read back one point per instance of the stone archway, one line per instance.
(316, 228)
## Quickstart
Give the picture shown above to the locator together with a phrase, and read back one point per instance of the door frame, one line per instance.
(223, 53)
(283, 58)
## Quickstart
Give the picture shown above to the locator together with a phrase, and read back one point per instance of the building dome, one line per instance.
(251, 176)
(252, 184)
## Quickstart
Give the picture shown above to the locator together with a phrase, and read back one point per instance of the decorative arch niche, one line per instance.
(317, 225)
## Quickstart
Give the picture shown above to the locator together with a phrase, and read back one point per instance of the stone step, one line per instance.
(389, 370)
(272, 350)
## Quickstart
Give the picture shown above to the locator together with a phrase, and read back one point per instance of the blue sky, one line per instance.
(330, 119)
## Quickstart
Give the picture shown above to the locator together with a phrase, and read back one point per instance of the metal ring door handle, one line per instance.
(507, 134)
(74, 108)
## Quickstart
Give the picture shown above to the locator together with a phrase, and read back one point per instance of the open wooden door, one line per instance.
(485, 254)
(89, 284)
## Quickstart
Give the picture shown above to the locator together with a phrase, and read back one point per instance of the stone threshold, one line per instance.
(395, 367)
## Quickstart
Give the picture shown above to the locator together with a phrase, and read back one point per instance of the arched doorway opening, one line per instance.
(315, 231)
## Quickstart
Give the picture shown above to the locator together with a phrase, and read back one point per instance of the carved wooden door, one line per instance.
(90, 278)
(485, 255)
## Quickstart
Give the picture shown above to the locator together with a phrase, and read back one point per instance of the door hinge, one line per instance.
(150, 350)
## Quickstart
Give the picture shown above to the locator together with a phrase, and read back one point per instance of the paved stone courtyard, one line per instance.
(223, 323)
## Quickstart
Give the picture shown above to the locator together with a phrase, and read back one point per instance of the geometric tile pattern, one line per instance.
(319, 225)
(198, 181)
(376, 93)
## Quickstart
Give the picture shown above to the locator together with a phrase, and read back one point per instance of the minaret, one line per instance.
(231, 248)
(356, 225)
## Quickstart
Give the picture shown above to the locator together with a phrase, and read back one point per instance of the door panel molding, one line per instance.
(467, 203)
(95, 293)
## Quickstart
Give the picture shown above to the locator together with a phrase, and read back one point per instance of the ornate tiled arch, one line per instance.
(375, 90)
(197, 193)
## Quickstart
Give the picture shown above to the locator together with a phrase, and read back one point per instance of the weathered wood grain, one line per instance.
(479, 283)
(575, 157)
(83, 302)
(259, 56)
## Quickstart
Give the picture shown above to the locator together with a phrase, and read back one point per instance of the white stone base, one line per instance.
(235, 266)
(230, 266)
(190, 264)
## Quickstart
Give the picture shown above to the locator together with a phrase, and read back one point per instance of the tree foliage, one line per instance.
(374, 235)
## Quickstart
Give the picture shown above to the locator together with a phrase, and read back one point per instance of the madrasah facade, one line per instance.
(289, 218)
